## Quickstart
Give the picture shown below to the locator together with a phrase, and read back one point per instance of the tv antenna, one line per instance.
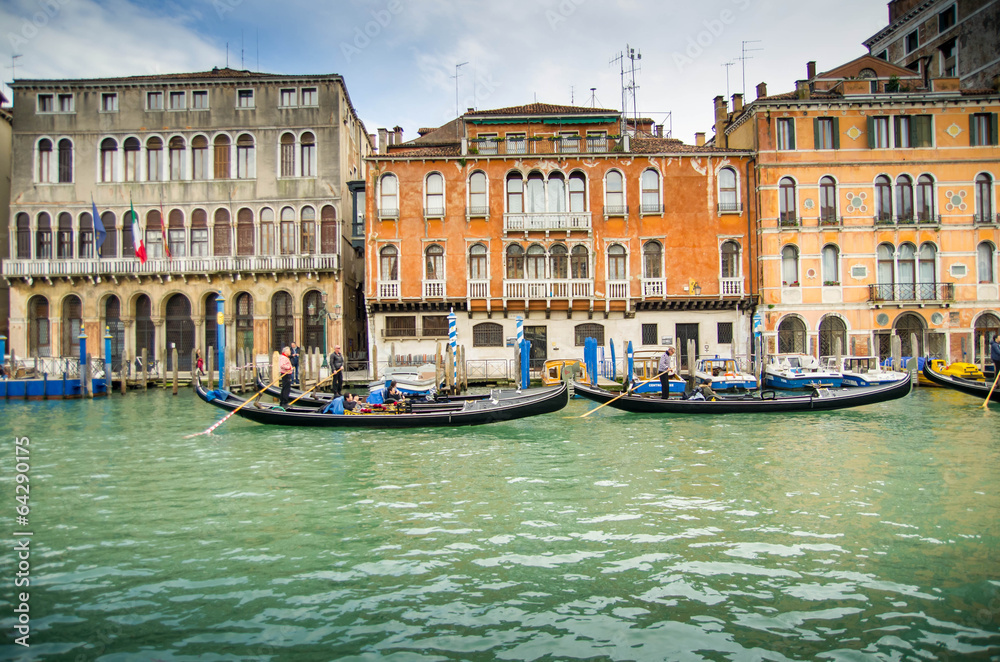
(744, 57)
(628, 89)
(457, 74)
(593, 97)
(13, 72)
(727, 65)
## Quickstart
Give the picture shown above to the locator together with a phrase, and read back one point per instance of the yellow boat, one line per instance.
(956, 369)
(553, 371)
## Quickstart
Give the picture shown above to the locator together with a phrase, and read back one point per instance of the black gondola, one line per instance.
(478, 412)
(765, 401)
(968, 386)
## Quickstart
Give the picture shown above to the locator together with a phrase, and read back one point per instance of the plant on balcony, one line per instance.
(473, 150)
(794, 283)
(831, 283)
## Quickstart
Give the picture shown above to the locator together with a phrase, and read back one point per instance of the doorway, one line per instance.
(538, 338)
(686, 332)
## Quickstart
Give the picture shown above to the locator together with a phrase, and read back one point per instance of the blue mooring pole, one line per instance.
(220, 339)
(3, 349)
(83, 363)
(107, 361)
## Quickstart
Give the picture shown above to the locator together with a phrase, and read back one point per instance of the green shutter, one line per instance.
(973, 135)
(895, 131)
(993, 129)
(815, 133)
(836, 133)
(871, 132)
(791, 133)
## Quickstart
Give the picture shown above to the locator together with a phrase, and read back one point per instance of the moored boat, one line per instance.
(967, 386)
(861, 370)
(725, 374)
(552, 372)
(798, 371)
(420, 380)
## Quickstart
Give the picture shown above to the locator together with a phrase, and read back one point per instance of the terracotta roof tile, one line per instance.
(672, 146)
(542, 109)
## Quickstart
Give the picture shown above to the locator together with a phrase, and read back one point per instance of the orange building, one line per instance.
(557, 215)
(878, 210)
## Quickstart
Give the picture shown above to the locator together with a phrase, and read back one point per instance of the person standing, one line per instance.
(667, 369)
(337, 363)
(995, 354)
(286, 370)
(199, 363)
(295, 361)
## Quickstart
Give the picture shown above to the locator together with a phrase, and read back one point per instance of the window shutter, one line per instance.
(973, 137)
(993, 129)
(836, 133)
(791, 134)
(815, 133)
(871, 132)
(896, 131)
(914, 121)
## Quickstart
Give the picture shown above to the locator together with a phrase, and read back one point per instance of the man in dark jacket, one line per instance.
(337, 363)
(995, 352)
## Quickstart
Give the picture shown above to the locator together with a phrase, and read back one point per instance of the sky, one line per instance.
(398, 57)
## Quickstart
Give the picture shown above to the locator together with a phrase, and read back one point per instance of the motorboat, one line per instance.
(861, 370)
(725, 374)
(798, 371)
(410, 380)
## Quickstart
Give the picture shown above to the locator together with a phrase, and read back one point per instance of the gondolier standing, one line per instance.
(667, 369)
(337, 363)
(286, 370)
(995, 353)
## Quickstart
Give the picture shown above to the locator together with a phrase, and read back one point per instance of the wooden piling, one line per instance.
(126, 362)
(85, 379)
(374, 363)
(692, 349)
(913, 362)
(173, 355)
(211, 366)
(145, 370)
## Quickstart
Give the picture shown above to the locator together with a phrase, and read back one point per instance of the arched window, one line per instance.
(579, 262)
(926, 211)
(786, 202)
(85, 247)
(132, 150)
(110, 246)
(904, 198)
(589, 330)
(43, 236)
(388, 203)
(434, 268)
(221, 234)
(515, 193)
(478, 197)
(312, 324)
(23, 223)
(177, 148)
(927, 270)
(145, 332)
(65, 161)
(791, 336)
(389, 264)
(308, 218)
(199, 233)
(730, 252)
(64, 238)
(46, 172)
(244, 323)
(109, 159)
(245, 157)
(154, 234)
(221, 157)
(559, 261)
(729, 197)
(478, 263)
(327, 230)
(38, 327)
(828, 201)
(650, 182)
(790, 266)
(906, 267)
(116, 328)
(244, 231)
(556, 192)
(883, 199)
(199, 158)
(577, 193)
(614, 193)
(154, 159)
(534, 198)
(515, 262)
(652, 260)
(287, 231)
(617, 262)
(287, 155)
(179, 330)
(434, 195)
(831, 265)
(487, 334)
(128, 227)
(176, 235)
(984, 262)
(308, 146)
(984, 198)
(282, 321)
(267, 245)
(831, 331)
(885, 272)
(72, 322)
(534, 263)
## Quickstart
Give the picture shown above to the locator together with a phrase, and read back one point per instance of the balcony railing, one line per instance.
(884, 219)
(831, 221)
(787, 220)
(617, 289)
(544, 145)
(730, 207)
(908, 219)
(129, 266)
(983, 218)
(654, 287)
(433, 212)
(616, 210)
(916, 292)
(388, 289)
(435, 289)
(651, 208)
(547, 221)
(479, 289)
(548, 289)
(478, 212)
(731, 287)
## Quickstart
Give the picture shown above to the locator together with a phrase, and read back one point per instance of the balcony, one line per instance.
(478, 289)
(884, 219)
(788, 220)
(648, 208)
(130, 266)
(388, 214)
(911, 293)
(617, 289)
(435, 289)
(831, 221)
(610, 211)
(548, 289)
(545, 145)
(731, 287)
(547, 221)
(433, 212)
(477, 212)
(388, 289)
(654, 288)
(730, 207)
(984, 218)
(908, 219)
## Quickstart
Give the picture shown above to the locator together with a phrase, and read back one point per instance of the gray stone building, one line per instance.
(238, 182)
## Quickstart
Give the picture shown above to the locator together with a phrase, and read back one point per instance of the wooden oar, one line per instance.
(995, 380)
(230, 414)
(623, 393)
(315, 387)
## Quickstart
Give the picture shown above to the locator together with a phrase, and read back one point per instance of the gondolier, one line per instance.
(667, 369)
(995, 352)
(337, 363)
(285, 369)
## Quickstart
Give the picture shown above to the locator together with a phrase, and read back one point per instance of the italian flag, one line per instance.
(140, 247)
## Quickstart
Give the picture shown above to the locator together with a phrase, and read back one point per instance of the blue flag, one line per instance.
(99, 232)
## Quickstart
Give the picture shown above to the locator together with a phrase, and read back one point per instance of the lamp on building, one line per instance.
(325, 315)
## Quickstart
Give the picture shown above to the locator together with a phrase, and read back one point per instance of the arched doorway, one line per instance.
(792, 336)
(987, 326)
(282, 322)
(145, 332)
(244, 324)
(72, 323)
(116, 328)
(832, 329)
(39, 343)
(312, 321)
(907, 324)
(179, 331)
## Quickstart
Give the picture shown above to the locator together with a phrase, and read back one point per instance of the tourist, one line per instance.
(995, 353)
(199, 363)
(351, 402)
(667, 369)
(295, 361)
(706, 390)
(337, 363)
(286, 370)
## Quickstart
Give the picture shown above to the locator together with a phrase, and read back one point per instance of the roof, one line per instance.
(889, 29)
(216, 74)
(866, 61)
(538, 109)
(446, 134)
(673, 146)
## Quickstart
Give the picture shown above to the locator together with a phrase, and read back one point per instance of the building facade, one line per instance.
(238, 182)
(6, 138)
(556, 215)
(878, 212)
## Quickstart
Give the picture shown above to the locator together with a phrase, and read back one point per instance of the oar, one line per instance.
(315, 387)
(995, 380)
(229, 415)
(624, 392)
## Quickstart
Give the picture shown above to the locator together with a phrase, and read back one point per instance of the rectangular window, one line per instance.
(597, 141)
(178, 101)
(949, 57)
(288, 98)
(310, 97)
(903, 132)
(569, 141)
(401, 326)
(109, 102)
(435, 325)
(244, 99)
(826, 133)
(883, 55)
(786, 133)
(946, 19)
(65, 103)
(487, 143)
(154, 100)
(725, 333)
(649, 335)
(177, 241)
(912, 41)
(199, 100)
(879, 136)
(517, 143)
(982, 129)
(46, 103)
(199, 242)
(921, 131)
(287, 238)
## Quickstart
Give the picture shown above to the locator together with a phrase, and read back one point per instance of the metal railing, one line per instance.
(788, 220)
(831, 221)
(730, 207)
(178, 265)
(911, 292)
(545, 145)
(983, 218)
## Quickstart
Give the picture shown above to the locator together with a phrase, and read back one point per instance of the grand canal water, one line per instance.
(864, 534)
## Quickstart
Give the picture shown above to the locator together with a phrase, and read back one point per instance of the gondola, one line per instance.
(477, 412)
(968, 386)
(820, 399)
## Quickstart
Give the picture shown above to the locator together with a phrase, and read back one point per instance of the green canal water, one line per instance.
(870, 534)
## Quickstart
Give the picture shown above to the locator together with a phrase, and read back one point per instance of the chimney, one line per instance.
(699, 138)
(810, 70)
(374, 139)
(383, 140)
(802, 89)
(721, 112)
(761, 90)
(737, 103)
(398, 130)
